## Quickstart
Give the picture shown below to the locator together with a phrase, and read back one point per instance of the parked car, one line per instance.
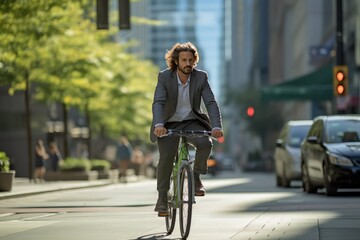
(287, 152)
(331, 154)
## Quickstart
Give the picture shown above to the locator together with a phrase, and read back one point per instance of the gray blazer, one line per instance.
(166, 94)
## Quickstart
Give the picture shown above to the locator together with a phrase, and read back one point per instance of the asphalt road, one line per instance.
(237, 206)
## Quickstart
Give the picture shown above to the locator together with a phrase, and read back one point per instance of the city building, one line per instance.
(289, 55)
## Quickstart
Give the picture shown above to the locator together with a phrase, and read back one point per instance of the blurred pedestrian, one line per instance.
(123, 155)
(138, 159)
(83, 151)
(40, 157)
(54, 157)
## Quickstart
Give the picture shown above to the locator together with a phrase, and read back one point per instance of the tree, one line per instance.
(84, 68)
(125, 102)
(55, 46)
(24, 28)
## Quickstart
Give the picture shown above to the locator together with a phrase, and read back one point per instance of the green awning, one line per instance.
(315, 86)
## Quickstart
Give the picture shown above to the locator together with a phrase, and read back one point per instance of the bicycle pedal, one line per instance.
(163, 214)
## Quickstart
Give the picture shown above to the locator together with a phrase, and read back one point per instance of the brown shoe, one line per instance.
(199, 188)
(161, 205)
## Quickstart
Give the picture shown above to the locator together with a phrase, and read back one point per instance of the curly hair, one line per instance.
(173, 54)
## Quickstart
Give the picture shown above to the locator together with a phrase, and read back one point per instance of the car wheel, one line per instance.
(285, 181)
(330, 188)
(307, 185)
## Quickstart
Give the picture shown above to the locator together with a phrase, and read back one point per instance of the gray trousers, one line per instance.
(168, 147)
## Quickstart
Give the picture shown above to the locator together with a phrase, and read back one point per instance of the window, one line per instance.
(297, 135)
(343, 131)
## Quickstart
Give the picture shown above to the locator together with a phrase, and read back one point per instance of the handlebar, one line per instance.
(188, 133)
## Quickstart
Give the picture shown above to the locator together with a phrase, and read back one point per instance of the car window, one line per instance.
(297, 135)
(343, 131)
(284, 132)
(316, 129)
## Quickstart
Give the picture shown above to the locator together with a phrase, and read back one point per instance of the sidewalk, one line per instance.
(23, 187)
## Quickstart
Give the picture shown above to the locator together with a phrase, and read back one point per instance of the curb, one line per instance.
(51, 188)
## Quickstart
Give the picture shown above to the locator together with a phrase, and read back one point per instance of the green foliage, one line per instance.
(4, 162)
(82, 164)
(141, 20)
(126, 97)
(56, 46)
(75, 165)
(25, 27)
(100, 165)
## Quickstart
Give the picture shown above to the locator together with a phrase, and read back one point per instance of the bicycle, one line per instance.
(181, 194)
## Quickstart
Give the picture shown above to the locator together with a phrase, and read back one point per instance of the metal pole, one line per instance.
(339, 34)
(340, 60)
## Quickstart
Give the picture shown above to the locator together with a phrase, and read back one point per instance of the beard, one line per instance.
(185, 70)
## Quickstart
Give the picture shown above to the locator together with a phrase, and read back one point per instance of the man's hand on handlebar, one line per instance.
(217, 133)
(160, 131)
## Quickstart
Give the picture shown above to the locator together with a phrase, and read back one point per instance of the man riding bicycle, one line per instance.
(180, 96)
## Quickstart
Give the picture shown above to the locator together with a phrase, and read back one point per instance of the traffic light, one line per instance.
(124, 14)
(250, 111)
(340, 80)
(102, 14)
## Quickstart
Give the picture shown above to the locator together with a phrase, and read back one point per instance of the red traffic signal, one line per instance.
(340, 75)
(250, 111)
(340, 80)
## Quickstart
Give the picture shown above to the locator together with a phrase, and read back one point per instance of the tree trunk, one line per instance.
(28, 125)
(65, 133)
(89, 129)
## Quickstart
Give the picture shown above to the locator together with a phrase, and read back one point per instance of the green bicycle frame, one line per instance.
(182, 156)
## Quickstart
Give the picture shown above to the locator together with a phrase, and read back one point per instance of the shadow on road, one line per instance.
(154, 236)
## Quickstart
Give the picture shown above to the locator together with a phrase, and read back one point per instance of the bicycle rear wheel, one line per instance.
(186, 200)
(171, 216)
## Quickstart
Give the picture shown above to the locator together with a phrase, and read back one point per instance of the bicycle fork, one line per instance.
(178, 189)
(182, 161)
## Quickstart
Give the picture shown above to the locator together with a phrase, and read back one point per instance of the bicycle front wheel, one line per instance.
(186, 200)
(171, 215)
